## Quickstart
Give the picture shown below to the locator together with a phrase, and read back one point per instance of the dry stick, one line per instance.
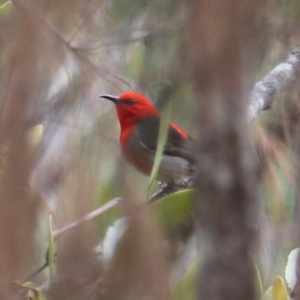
(110, 204)
(278, 80)
(90, 216)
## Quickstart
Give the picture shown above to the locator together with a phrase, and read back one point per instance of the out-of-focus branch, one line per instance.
(226, 175)
(19, 205)
(278, 80)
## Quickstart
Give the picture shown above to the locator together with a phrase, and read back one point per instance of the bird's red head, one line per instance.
(131, 108)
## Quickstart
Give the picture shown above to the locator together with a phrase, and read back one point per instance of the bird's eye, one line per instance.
(130, 101)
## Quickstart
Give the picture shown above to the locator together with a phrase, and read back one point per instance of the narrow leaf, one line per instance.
(51, 251)
(162, 138)
(5, 8)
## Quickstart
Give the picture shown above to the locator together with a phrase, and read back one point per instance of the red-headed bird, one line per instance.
(140, 121)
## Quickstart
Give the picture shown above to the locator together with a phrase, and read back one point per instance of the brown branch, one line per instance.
(90, 216)
(226, 176)
(99, 211)
(277, 81)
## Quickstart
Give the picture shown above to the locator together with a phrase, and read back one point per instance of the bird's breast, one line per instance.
(172, 168)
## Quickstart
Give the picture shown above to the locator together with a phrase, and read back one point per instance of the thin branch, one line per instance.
(135, 36)
(110, 204)
(101, 71)
(57, 233)
(88, 14)
(278, 80)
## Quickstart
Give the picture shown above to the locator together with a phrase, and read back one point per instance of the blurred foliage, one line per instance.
(173, 209)
(277, 291)
(95, 47)
(288, 9)
(186, 288)
(5, 7)
(28, 291)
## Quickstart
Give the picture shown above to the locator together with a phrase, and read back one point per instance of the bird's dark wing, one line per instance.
(177, 144)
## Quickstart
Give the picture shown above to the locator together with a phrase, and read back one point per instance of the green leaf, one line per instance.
(186, 288)
(5, 8)
(279, 290)
(51, 251)
(162, 138)
(173, 209)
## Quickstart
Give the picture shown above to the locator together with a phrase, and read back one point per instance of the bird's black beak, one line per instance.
(114, 99)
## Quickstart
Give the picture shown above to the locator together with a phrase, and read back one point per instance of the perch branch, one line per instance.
(110, 204)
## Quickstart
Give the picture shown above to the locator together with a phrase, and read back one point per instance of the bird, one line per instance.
(139, 123)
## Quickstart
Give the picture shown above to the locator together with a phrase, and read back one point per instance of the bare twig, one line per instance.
(39, 270)
(91, 10)
(278, 80)
(57, 233)
(135, 36)
(101, 71)
(110, 204)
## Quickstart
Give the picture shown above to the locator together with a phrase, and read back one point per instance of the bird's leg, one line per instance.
(159, 193)
(166, 188)
(190, 182)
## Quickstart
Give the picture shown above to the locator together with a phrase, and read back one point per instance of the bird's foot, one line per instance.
(188, 182)
(167, 188)
(162, 191)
